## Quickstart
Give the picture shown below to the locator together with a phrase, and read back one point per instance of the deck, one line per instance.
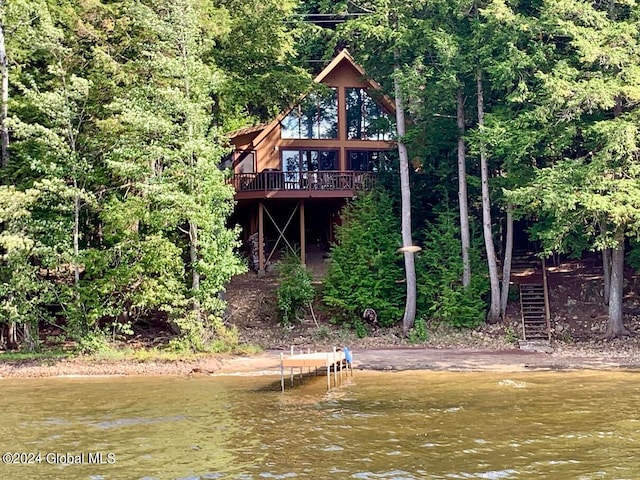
(273, 183)
(338, 361)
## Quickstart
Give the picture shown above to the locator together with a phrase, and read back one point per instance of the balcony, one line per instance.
(273, 183)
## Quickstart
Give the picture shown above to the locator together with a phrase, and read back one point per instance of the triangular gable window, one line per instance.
(365, 118)
(315, 117)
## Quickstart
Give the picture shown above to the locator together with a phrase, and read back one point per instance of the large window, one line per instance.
(297, 163)
(365, 118)
(315, 117)
(370, 161)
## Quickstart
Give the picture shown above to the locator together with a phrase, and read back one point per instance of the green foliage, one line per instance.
(112, 130)
(366, 270)
(510, 336)
(360, 328)
(439, 266)
(211, 335)
(419, 333)
(95, 341)
(633, 255)
(295, 291)
(22, 293)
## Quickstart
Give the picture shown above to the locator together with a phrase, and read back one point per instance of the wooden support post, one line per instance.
(292, 367)
(301, 369)
(328, 374)
(282, 370)
(260, 238)
(335, 368)
(547, 310)
(303, 239)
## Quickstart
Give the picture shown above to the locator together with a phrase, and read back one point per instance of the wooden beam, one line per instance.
(260, 238)
(281, 232)
(303, 238)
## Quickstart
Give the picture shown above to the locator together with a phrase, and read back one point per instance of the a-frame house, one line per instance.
(293, 175)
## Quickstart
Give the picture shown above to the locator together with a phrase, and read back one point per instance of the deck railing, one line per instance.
(269, 180)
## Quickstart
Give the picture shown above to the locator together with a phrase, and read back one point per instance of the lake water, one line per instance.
(403, 425)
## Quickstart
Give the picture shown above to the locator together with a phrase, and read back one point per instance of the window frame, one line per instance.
(318, 118)
(238, 159)
(366, 119)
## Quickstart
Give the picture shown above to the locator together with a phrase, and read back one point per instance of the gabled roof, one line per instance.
(344, 55)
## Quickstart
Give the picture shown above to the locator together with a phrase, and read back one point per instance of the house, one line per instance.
(293, 175)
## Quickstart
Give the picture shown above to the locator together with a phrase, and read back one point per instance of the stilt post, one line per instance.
(292, 367)
(303, 239)
(260, 238)
(282, 370)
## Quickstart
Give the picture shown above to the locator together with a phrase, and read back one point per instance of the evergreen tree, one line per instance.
(587, 103)
(365, 269)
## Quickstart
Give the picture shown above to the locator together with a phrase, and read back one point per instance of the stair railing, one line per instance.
(545, 287)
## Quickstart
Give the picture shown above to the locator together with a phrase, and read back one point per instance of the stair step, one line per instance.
(533, 310)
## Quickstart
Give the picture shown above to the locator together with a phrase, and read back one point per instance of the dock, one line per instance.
(338, 361)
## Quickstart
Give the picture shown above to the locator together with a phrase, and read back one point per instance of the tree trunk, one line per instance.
(465, 237)
(494, 309)
(4, 140)
(4, 100)
(606, 269)
(409, 259)
(506, 267)
(28, 338)
(12, 336)
(195, 274)
(615, 327)
(76, 235)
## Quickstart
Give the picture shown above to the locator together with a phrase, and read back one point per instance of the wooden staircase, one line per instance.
(533, 306)
(534, 300)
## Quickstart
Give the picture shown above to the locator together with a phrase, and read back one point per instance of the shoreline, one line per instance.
(381, 359)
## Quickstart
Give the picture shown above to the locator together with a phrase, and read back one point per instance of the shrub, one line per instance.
(366, 271)
(295, 290)
(439, 271)
(419, 332)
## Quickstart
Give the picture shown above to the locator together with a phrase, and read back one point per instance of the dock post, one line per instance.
(335, 368)
(282, 370)
(292, 367)
(301, 369)
(328, 373)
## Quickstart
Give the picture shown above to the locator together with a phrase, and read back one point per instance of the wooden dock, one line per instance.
(340, 361)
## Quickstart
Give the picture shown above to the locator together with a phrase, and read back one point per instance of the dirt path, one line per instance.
(371, 359)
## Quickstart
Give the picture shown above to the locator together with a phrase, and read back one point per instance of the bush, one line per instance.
(366, 271)
(295, 290)
(439, 271)
(419, 332)
(207, 334)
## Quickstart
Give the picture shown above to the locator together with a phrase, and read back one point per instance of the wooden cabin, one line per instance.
(293, 175)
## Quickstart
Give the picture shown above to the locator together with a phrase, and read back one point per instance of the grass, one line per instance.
(56, 354)
(116, 353)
